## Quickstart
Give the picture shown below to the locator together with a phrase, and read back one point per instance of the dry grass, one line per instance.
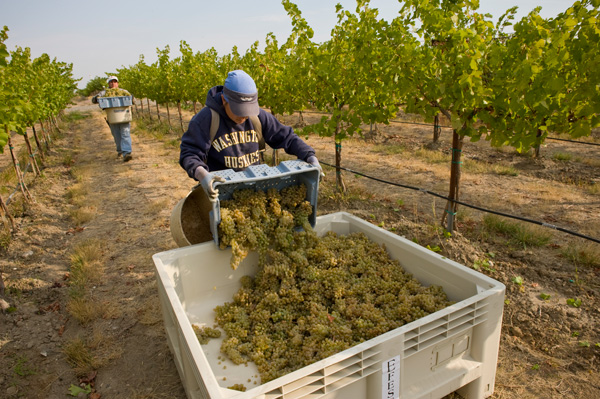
(583, 254)
(83, 215)
(431, 156)
(157, 206)
(590, 161)
(79, 356)
(76, 194)
(388, 149)
(84, 310)
(112, 309)
(85, 269)
(85, 356)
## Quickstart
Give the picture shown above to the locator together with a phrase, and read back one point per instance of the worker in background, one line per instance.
(121, 132)
(235, 142)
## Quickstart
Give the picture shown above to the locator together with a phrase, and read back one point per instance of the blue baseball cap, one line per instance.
(240, 92)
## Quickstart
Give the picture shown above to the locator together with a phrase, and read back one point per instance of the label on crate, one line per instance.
(390, 378)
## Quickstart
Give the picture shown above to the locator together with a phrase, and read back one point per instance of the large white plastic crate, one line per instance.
(453, 349)
(264, 177)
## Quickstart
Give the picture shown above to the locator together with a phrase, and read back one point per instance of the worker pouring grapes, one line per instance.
(230, 132)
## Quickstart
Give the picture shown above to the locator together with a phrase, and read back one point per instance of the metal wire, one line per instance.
(468, 205)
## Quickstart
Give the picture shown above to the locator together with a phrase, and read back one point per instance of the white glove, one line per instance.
(207, 181)
(315, 162)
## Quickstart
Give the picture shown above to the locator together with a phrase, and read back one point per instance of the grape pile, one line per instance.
(205, 333)
(312, 296)
(258, 221)
(116, 92)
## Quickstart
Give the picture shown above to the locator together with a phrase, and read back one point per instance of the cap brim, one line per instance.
(245, 109)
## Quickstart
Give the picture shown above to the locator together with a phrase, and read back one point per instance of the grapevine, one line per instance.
(312, 296)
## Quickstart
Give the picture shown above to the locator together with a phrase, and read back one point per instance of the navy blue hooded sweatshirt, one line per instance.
(234, 146)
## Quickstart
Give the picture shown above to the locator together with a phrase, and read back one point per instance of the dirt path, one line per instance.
(130, 205)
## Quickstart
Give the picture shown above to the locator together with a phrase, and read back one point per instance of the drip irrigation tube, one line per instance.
(468, 205)
(450, 127)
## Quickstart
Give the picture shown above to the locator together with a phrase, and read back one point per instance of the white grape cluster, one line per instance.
(205, 333)
(116, 92)
(258, 221)
(313, 296)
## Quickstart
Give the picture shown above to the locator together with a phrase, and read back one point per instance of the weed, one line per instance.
(506, 171)
(157, 206)
(67, 159)
(435, 248)
(562, 156)
(5, 239)
(7, 176)
(389, 149)
(84, 309)
(517, 280)
(21, 369)
(544, 297)
(582, 254)
(574, 302)
(173, 143)
(85, 255)
(76, 191)
(485, 263)
(76, 391)
(433, 156)
(518, 233)
(82, 215)
(79, 356)
(476, 167)
(75, 116)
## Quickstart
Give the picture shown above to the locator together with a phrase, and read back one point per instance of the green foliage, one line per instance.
(93, 87)
(21, 368)
(574, 302)
(433, 57)
(517, 280)
(30, 90)
(74, 390)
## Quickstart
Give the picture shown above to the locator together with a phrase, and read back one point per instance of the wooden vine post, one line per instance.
(18, 172)
(6, 214)
(148, 103)
(44, 135)
(37, 143)
(437, 129)
(169, 115)
(34, 165)
(180, 115)
(451, 206)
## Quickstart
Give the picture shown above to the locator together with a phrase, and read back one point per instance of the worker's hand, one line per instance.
(315, 162)
(207, 181)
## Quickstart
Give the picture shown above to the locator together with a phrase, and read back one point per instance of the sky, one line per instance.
(99, 37)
